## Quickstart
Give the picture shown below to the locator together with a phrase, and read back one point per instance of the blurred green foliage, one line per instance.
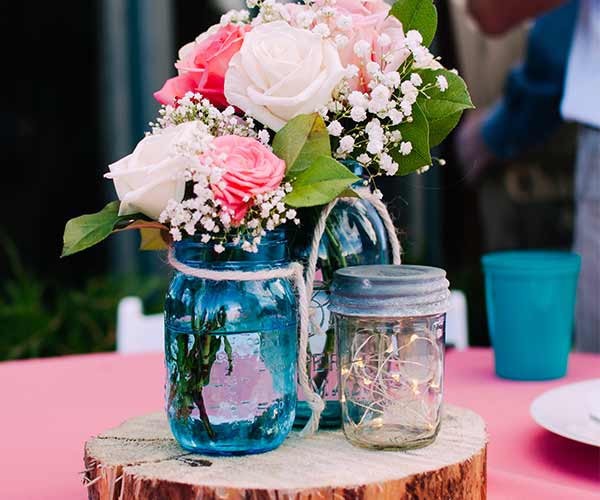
(41, 318)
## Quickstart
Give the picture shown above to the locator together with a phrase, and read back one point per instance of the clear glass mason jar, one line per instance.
(390, 326)
(354, 235)
(231, 350)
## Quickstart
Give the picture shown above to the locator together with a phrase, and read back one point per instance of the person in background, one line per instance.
(581, 104)
(529, 111)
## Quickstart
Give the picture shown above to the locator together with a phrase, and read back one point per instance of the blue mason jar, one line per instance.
(230, 349)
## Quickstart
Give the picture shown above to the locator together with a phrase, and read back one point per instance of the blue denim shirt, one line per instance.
(529, 111)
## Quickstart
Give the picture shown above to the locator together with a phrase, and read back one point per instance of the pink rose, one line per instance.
(249, 169)
(370, 20)
(386, 38)
(202, 65)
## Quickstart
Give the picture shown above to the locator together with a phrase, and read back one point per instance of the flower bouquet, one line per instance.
(257, 127)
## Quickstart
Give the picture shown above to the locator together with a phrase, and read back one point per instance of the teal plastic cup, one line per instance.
(530, 297)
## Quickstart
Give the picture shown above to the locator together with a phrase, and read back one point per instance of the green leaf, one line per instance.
(301, 141)
(443, 109)
(420, 15)
(151, 239)
(417, 133)
(349, 193)
(320, 183)
(87, 230)
(439, 128)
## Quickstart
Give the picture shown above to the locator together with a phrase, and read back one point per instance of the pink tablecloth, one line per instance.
(50, 407)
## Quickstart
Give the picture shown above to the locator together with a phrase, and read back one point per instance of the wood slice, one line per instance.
(140, 460)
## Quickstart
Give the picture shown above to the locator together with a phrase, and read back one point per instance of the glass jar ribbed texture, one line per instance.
(231, 349)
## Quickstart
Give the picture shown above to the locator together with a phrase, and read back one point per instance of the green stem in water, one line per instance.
(325, 364)
(336, 247)
(229, 352)
(204, 378)
(199, 401)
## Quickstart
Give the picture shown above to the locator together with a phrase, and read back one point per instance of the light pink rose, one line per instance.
(371, 28)
(249, 169)
(369, 21)
(202, 65)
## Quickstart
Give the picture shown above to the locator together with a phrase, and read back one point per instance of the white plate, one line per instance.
(571, 411)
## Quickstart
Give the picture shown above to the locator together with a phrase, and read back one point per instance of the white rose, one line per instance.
(282, 72)
(153, 174)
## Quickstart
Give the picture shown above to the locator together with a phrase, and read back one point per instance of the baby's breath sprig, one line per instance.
(201, 214)
(194, 107)
(365, 124)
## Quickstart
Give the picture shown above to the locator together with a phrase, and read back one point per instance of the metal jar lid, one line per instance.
(389, 291)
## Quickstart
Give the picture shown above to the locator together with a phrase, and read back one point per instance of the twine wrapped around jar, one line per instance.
(304, 286)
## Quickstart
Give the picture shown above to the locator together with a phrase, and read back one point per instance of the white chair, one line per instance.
(137, 332)
(457, 329)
